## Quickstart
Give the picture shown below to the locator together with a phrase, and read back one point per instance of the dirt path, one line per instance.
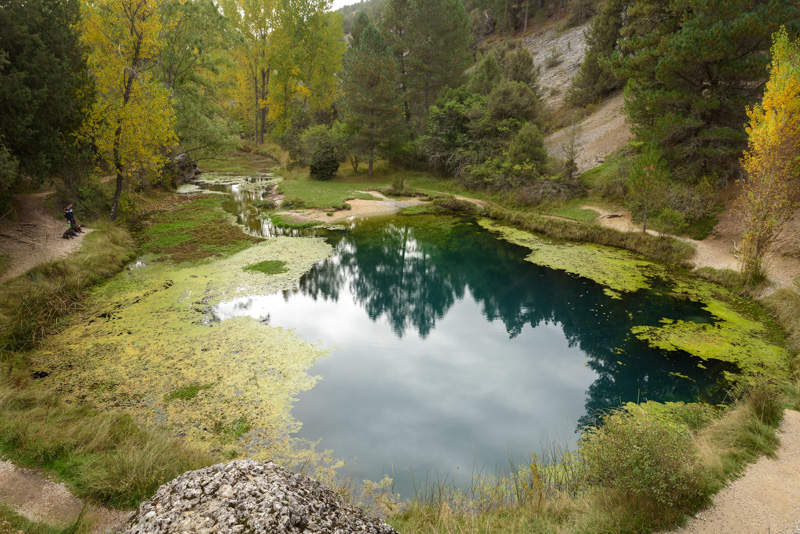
(35, 237)
(764, 500)
(717, 250)
(39, 499)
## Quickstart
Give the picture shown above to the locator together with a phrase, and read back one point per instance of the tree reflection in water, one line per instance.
(411, 271)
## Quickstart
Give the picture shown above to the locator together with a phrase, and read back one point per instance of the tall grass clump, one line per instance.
(785, 306)
(103, 456)
(36, 303)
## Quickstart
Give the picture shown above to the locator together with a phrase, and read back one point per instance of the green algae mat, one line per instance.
(739, 332)
(147, 344)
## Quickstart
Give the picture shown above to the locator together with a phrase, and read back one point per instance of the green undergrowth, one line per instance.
(192, 232)
(268, 267)
(14, 523)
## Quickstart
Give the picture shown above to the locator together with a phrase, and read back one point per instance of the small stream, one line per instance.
(452, 355)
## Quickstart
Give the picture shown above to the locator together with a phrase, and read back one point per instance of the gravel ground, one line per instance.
(597, 136)
(765, 500)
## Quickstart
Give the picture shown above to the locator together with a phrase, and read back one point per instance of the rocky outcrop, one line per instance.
(249, 497)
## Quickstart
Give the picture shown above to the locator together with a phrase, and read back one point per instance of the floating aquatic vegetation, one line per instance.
(147, 334)
(618, 270)
(739, 331)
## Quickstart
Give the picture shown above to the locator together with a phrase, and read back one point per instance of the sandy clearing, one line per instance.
(35, 237)
(358, 208)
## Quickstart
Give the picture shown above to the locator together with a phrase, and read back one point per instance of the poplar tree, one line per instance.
(254, 54)
(371, 101)
(132, 122)
(772, 161)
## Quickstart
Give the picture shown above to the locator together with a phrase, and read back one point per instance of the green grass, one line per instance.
(268, 267)
(572, 210)
(37, 303)
(102, 455)
(328, 195)
(283, 221)
(192, 232)
(186, 392)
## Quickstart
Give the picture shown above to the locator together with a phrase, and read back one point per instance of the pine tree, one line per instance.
(692, 67)
(371, 101)
(394, 25)
(595, 80)
(487, 76)
(360, 24)
(45, 91)
(439, 43)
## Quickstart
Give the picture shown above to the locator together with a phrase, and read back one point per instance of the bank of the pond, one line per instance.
(127, 358)
(103, 455)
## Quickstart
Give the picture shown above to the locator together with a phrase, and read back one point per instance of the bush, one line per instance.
(641, 458)
(528, 147)
(513, 100)
(324, 163)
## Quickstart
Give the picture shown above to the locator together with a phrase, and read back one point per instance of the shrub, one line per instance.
(324, 163)
(528, 146)
(640, 457)
(513, 100)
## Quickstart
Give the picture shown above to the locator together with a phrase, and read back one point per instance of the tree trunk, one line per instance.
(525, 29)
(644, 221)
(118, 172)
(371, 158)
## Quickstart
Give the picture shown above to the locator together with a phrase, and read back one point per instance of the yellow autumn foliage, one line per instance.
(772, 161)
(132, 122)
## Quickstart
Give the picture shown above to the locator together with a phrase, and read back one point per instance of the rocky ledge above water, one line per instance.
(248, 496)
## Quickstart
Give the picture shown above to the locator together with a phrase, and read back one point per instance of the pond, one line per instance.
(453, 355)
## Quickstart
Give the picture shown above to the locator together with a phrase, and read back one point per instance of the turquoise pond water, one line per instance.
(451, 354)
